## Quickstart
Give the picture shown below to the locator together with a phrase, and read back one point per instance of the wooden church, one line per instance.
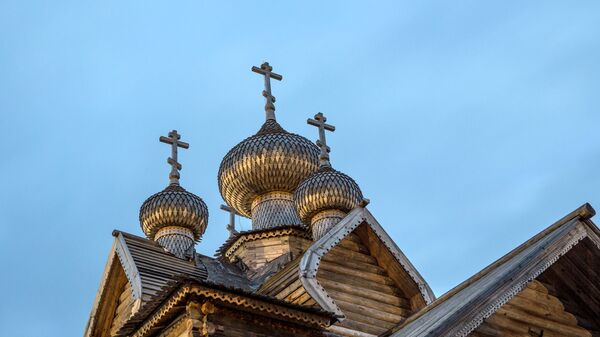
(318, 263)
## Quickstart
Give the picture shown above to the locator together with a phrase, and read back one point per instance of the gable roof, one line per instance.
(464, 308)
(150, 269)
(309, 263)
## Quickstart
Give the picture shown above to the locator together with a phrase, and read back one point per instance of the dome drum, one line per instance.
(177, 240)
(323, 221)
(274, 209)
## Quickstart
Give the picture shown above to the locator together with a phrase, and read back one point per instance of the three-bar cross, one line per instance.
(266, 70)
(232, 214)
(319, 122)
(173, 140)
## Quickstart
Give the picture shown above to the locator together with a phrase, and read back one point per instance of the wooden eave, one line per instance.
(119, 254)
(174, 298)
(463, 309)
(148, 268)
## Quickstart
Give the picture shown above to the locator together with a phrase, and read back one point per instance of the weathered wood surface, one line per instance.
(257, 253)
(371, 300)
(124, 308)
(359, 282)
(533, 310)
(114, 287)
(228, 323)
(575, 280)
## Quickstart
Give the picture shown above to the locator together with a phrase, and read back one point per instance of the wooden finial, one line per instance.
(319, 122)
(266, 70)
(173, 140)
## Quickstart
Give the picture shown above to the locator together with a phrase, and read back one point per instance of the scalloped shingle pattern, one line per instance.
(174, 206)
(324, 190)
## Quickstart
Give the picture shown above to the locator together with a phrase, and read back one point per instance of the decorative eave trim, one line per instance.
(131, 271)
(309, 264)
(120, 252)
(252, 236)
(255, 305)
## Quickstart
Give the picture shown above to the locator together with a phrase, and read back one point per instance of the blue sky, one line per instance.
(470, 125)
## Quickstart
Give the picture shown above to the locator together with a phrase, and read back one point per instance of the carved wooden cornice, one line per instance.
(244, 237)
(245, 303)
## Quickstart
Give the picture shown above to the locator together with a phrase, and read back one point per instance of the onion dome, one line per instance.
(174, 207)
(174, 217)
(326, 196)
(258, 176)
(324, 190)
(273, 160)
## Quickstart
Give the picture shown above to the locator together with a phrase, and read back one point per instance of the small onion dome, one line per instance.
(326, 189)
(273, 160)
(174, 207)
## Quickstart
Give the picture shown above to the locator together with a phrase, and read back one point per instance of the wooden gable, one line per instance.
(371, 291)
(548, 286)
(115, 301)
(356, 272)
(563, 301)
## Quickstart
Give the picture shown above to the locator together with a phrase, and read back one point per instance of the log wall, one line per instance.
(532, 312)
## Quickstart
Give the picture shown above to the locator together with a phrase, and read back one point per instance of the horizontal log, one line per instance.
(389, 296)
(366, 311)
(572, 331)
(368, 267)
(343, 253)
(362, 327)
(356, 273)
(338, 295)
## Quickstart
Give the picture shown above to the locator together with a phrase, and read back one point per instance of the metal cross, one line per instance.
(232, 214)
(266, 70)
(319, 122)
(173, 140)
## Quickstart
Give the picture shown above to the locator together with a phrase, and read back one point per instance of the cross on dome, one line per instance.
(266, 70)
(319, 122)
(173, 140)
(232, 213)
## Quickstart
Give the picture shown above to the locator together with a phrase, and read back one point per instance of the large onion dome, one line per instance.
(258, 176)
(324, 190)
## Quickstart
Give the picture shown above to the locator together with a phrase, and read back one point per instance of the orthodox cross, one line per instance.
(319, 122)
(266, 70)
(173, 140)
(232, 214)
